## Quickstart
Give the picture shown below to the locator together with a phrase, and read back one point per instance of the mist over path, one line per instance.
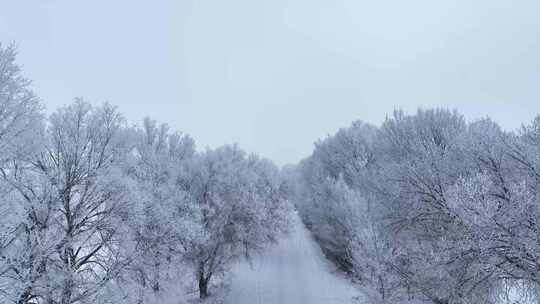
(292, 272)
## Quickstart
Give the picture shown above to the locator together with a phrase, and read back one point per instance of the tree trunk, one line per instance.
(142, 279)
(155, 286)
(66, 292)
(157, 265)
(67, 288)
(203, 286)
(25, 296)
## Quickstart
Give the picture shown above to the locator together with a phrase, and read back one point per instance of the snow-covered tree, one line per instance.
(427, 208)
(79, 160)
(242, 209)
(163, 218)
(76, 195)
(336, 195)
(21, 225)
(21, 117)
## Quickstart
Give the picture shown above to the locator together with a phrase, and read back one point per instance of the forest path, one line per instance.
(294, 271)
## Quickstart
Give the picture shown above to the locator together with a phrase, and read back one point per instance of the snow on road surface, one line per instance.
(293, 271)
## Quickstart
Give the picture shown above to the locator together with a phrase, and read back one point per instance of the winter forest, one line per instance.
(425, 208)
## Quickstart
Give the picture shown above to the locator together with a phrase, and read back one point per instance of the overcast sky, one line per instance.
(275, 75)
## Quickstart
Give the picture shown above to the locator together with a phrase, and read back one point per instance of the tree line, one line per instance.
(428, 208)
(93, 210)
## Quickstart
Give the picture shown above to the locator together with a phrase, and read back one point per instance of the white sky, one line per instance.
(275, 75)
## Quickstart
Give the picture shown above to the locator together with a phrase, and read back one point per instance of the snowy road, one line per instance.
(292, 272)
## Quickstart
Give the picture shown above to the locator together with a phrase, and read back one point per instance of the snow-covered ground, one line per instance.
(292, 272)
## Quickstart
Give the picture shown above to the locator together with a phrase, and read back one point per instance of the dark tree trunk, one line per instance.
(23, 299)
(142, 279)
(157, 264)
(203, 286)
(155, 287)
